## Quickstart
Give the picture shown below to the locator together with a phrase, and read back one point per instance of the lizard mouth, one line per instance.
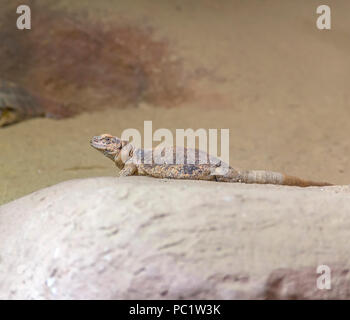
(95, 143)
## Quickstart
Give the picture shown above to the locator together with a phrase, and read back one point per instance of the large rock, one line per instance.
(143, 238)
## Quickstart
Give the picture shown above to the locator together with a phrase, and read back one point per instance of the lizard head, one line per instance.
(109, 145)
(8, 116)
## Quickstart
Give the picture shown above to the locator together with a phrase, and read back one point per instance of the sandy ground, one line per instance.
(277, 82)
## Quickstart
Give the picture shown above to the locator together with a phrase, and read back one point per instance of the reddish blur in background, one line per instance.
(260, 68)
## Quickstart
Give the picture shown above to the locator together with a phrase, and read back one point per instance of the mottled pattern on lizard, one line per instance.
(184, 163)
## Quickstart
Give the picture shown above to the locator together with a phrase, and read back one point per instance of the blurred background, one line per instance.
(258, 67)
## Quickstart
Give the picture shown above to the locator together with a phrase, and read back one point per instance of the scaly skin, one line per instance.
(182, 163)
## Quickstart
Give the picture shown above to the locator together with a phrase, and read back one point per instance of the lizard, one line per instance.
(165, 164)
(17, 104)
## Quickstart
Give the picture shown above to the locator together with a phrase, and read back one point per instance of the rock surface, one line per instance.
(143, 238)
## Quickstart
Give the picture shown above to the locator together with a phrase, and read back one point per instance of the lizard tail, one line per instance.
(269, 177)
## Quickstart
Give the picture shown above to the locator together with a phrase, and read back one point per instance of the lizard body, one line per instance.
(184, 163)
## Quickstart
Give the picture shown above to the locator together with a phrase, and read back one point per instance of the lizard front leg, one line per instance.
(128, 170)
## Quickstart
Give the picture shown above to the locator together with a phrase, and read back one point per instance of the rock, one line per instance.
(143, 238)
